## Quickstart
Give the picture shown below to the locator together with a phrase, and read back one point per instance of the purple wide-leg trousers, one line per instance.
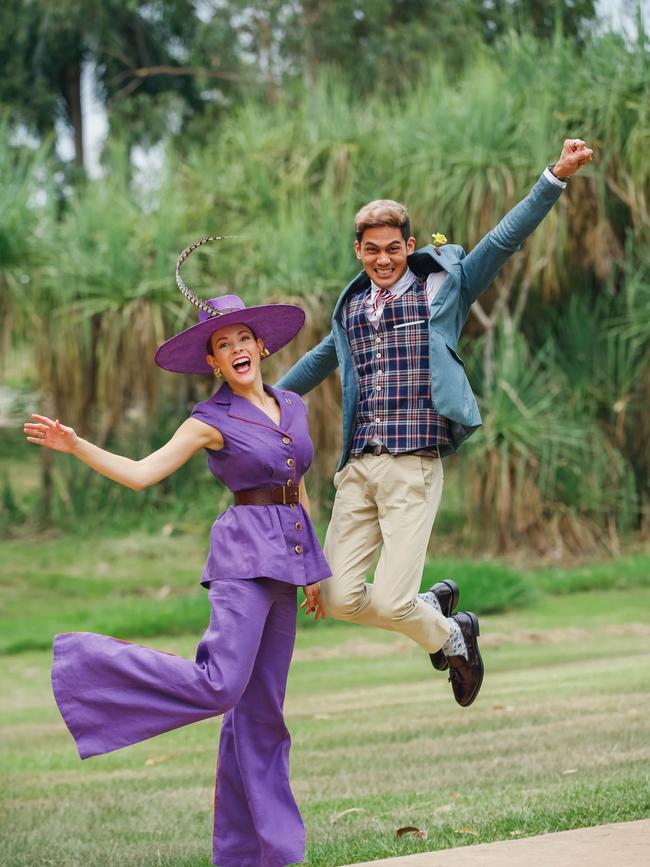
(112, 693)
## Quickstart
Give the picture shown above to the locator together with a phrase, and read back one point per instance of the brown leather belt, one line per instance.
(376, 449)
(380, 449)
(281, 495)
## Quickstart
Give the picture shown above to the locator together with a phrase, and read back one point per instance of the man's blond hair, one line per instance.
(382, 212)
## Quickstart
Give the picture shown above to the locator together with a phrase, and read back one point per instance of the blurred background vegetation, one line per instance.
(274, 122)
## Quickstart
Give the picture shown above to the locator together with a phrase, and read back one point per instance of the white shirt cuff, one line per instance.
(548, 174)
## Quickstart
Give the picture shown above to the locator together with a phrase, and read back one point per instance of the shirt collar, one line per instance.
(398, 288)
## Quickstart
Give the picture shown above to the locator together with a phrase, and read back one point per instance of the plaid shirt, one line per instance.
(392, 365)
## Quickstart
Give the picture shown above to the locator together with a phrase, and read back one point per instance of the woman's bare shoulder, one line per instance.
(204, 432)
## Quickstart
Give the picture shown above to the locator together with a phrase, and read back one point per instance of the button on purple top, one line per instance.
(261, 541)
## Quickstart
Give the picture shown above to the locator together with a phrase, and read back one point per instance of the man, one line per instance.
(406, 404)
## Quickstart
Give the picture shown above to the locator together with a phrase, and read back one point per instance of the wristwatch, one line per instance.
(550, 168)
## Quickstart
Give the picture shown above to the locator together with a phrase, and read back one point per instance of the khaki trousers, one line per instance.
(390, 502)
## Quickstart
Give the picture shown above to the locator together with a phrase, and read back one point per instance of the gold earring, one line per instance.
(217, 372)
(264, 352)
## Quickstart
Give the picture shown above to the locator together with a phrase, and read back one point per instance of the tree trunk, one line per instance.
(311, 59)
(73, 98)
(267, 60)
(45, 506)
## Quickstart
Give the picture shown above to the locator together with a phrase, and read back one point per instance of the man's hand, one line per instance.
(575, 153)
(312, 601)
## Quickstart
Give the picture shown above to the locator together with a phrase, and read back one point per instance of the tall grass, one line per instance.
(558, 352)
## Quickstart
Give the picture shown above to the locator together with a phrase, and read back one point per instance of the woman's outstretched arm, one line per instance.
(191, 436)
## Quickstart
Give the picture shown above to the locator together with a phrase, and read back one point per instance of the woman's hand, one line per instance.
(52, 434)
(312, 601)
(191, 436)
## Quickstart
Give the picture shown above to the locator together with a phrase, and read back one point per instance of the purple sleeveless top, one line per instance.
(261, 541)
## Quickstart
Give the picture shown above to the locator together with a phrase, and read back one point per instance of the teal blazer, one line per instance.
(468, 275)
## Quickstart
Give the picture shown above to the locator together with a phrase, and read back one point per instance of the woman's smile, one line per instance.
(242, 364)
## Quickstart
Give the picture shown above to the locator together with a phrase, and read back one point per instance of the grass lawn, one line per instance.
(147, 584)
(558, 739)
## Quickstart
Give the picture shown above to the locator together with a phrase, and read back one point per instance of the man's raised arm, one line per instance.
(312, 368)
(481, 265)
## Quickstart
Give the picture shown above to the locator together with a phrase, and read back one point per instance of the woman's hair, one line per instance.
(382, 212)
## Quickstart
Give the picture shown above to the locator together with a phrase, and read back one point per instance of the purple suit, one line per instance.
(112, 693)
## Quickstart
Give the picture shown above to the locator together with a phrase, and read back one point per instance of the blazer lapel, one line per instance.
(428, 259)
(361, 281)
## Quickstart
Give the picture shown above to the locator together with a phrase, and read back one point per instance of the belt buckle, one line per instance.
(290, 495)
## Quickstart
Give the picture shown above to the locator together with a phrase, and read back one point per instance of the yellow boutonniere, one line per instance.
(439, 239)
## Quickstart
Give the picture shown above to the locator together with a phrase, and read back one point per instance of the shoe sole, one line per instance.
(476, 631)
(438, 659)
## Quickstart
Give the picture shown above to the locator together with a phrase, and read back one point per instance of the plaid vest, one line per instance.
(392, 365)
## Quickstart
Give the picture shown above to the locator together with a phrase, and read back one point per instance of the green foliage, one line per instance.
(622, 573)
(172, 66)
(26, 215)
(543, 460)
(561, 372)
(10, 510)
(375, 43)
(103, 578)
(487, 587)
(133, 47)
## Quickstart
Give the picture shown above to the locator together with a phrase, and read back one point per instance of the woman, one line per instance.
(112, 693)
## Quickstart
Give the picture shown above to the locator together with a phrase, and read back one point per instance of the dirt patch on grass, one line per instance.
(362, 647)
(566, 635)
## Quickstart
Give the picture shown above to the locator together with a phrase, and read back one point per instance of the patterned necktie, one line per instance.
(382, 298)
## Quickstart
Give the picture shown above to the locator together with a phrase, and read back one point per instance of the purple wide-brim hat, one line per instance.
(276, 324)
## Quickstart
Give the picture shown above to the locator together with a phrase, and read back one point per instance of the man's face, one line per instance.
(383, 253)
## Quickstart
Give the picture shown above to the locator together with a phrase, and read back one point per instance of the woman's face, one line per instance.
(237, 353)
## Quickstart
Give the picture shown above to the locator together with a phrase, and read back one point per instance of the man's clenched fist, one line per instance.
(575, 153)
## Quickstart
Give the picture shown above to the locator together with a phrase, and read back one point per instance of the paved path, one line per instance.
(625, 845)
